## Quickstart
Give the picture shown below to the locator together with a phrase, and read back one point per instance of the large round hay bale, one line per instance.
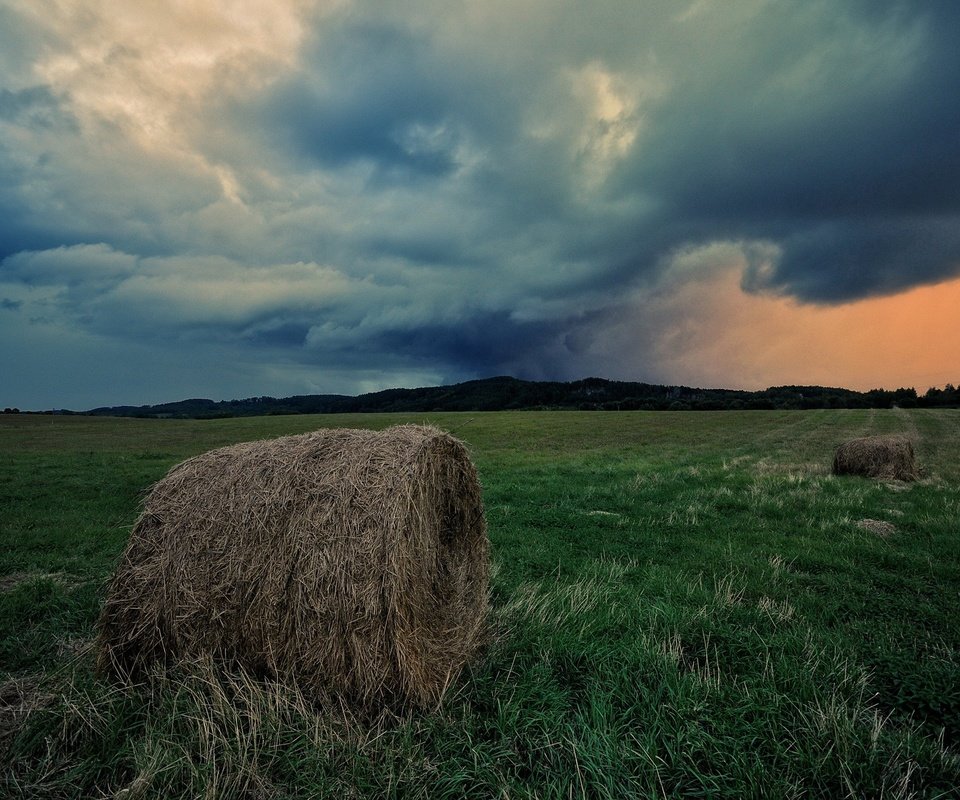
(354, 562)
(885, 457)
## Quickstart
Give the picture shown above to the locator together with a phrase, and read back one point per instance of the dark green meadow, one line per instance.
(684, 604)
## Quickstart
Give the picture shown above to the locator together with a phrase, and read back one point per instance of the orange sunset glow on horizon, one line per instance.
(905, 340)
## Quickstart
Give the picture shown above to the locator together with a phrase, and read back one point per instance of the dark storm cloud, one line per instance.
(491, 344)
(388, 96)
(855, 170)
(379, 97)
(845, 260)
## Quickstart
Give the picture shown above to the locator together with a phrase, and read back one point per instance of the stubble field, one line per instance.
(683, 604)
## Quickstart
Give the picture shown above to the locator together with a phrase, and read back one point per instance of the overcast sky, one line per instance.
(247, 197)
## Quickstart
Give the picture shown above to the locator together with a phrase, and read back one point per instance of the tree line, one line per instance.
(506, 393)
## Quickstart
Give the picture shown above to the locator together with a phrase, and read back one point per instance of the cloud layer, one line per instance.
(247, 197)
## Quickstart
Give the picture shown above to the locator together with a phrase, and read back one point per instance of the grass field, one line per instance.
(684, 605)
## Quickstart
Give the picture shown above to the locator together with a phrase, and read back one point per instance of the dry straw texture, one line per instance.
(885, 457)
(354, 562)
(879, 527)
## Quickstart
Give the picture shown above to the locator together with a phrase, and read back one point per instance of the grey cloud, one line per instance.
(117, 293)
(317, 314)
(35, 107)
(63, 190)
(78, 265)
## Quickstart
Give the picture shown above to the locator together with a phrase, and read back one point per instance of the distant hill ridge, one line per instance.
(506, 393)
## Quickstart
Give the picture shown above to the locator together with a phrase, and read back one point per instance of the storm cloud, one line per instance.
(337, 197)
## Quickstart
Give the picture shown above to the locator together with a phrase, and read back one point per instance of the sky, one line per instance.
(272, 197)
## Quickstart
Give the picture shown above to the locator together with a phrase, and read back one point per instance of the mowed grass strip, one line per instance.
(684, 605)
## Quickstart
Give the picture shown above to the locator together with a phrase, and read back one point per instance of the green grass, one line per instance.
(683, 606)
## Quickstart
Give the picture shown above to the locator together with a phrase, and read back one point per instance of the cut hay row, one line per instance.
(354, 562)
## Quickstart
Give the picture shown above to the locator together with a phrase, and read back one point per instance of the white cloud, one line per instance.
(612, 116)
(145, 73)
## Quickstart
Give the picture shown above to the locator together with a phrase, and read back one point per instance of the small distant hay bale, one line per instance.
(353, 562)
(879, 527)
(884, 457)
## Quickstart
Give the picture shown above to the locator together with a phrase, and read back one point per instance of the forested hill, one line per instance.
(504, 393)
